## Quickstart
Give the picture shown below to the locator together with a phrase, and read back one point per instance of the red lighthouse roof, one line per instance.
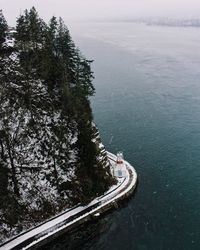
(120, 158)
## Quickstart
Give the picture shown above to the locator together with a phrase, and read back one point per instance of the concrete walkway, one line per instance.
(77, 215)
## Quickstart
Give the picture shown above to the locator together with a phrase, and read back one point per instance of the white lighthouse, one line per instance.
(120, 168)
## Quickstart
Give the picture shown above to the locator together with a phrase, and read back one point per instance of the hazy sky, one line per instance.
(102, 9)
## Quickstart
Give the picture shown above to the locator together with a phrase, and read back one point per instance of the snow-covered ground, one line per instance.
(71, 216)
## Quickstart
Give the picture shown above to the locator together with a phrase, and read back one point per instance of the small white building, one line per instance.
(120, 167)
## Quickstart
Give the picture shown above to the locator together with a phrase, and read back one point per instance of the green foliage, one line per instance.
(30, 30)
(44, 104)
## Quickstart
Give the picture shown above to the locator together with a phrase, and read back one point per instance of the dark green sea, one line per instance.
(147, 104)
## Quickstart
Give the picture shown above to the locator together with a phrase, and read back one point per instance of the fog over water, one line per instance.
(74, 10)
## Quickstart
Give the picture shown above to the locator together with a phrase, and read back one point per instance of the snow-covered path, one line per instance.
(60, 222)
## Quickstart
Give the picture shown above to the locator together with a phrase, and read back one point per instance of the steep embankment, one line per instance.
(51, 152)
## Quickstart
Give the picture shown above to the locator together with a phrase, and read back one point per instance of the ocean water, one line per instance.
(147, 104)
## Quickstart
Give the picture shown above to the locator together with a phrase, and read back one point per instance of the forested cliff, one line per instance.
(51, 156)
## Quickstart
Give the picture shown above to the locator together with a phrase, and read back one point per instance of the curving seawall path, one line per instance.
(73, 217)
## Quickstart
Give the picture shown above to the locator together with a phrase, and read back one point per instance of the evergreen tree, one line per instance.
(22, 35)
(3, 29)
(48, 149)
(30, 30)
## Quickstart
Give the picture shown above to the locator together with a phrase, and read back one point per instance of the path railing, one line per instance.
(42, 233)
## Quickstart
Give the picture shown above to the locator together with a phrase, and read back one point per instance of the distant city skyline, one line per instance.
(80, 10)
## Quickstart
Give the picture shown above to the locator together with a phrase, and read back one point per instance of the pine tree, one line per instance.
(22, 35)
(3, 29)
(30, 30)
(47, 145)
(84, 76)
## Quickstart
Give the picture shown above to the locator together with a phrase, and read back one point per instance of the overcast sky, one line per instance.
(102, 9)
